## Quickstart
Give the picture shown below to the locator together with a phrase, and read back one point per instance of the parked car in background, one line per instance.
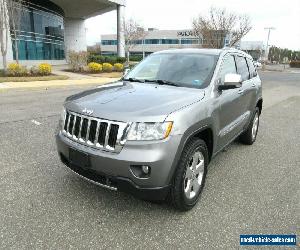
(154, 132)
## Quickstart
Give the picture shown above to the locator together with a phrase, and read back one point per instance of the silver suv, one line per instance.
(154, 132)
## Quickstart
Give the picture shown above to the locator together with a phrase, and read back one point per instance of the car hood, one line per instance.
(133, 102)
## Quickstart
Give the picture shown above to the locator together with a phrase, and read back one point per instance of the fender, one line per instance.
(189, 134)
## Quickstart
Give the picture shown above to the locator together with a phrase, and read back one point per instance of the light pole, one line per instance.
(267, 48)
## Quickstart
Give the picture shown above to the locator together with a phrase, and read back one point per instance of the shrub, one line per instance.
(15, 69)
(107, 67)
(94, 67)
(77, 60)
(105, 59)
(118, 67)
(136, 58)
(95, 58)
(44, 69)
(121, 59)
(295, 64)
(34, 71)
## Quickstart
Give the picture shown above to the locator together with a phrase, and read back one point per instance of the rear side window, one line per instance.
(251, 67)
(242, 67)
(228, 67)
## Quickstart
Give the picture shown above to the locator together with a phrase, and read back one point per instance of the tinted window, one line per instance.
(251, 67)
(228, 67)
(188, 70)
(242, 67)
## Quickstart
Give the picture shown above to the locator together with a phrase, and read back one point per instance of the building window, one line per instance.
(109, 42)
(152, 41)
(170, 41)
(186, 41)
(190, 41)
(42, 32)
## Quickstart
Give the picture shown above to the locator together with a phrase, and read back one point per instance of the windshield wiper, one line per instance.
(134, 80)
(163, 82)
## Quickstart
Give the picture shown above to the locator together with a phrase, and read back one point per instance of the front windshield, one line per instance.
(187, 70)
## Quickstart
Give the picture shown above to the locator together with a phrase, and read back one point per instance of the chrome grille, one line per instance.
(94, 132)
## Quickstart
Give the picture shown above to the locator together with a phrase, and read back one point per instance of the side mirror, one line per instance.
(231, 81)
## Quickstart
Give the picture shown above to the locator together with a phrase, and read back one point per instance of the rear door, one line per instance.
(246, 90)
(251, 87)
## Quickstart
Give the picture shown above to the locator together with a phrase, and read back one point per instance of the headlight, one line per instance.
(147, 131)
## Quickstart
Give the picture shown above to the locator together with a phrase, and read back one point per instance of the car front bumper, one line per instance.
(112, 170)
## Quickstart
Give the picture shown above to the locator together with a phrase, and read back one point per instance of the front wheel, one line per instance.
(190, 175)
(249, 136)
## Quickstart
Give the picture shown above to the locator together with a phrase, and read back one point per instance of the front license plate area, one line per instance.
(79, 159)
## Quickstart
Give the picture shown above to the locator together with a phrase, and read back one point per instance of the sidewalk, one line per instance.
(56, 83)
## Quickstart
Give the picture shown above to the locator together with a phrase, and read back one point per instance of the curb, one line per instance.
(55, 84)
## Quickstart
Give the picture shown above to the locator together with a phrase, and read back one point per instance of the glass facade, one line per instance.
(191, 41)
(158, 41)
(41, 35)
(109, 42)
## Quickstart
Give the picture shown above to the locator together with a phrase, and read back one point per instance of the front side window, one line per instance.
(228, 67)
(186, 70)
(242, 67)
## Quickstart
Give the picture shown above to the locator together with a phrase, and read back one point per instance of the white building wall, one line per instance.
(155, 34)
(30, 63)
(75, 35)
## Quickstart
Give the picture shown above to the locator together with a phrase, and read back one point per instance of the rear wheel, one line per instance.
(249, 136)
(190, 175)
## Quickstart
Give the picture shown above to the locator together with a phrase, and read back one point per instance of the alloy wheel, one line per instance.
(194, 175)
(255, 126)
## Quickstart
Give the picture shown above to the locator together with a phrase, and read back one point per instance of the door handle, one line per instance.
(241, 91)
(253, 85)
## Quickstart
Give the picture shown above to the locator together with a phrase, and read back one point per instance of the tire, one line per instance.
(186, 186)
(249, 136)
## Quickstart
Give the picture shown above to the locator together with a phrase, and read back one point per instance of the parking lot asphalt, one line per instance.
(249, 189)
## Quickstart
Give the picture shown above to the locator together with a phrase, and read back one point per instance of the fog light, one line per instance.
(141, 171)
(145, 169)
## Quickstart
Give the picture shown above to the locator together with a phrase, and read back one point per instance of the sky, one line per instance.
(284, 16)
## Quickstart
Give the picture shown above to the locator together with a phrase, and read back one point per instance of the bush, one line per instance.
(94, 67)
(77, 60)
(44, 69)
(136, 58)
(107, 67)
(106, 59)
(118, 67)
(295, 64)
(15, 69)
(34, 71)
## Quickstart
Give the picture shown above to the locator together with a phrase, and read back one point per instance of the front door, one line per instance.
(230, 112)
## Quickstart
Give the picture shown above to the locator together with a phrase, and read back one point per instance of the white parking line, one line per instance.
(36, 122)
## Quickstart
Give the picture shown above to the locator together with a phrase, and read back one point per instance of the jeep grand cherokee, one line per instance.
(154, 132)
